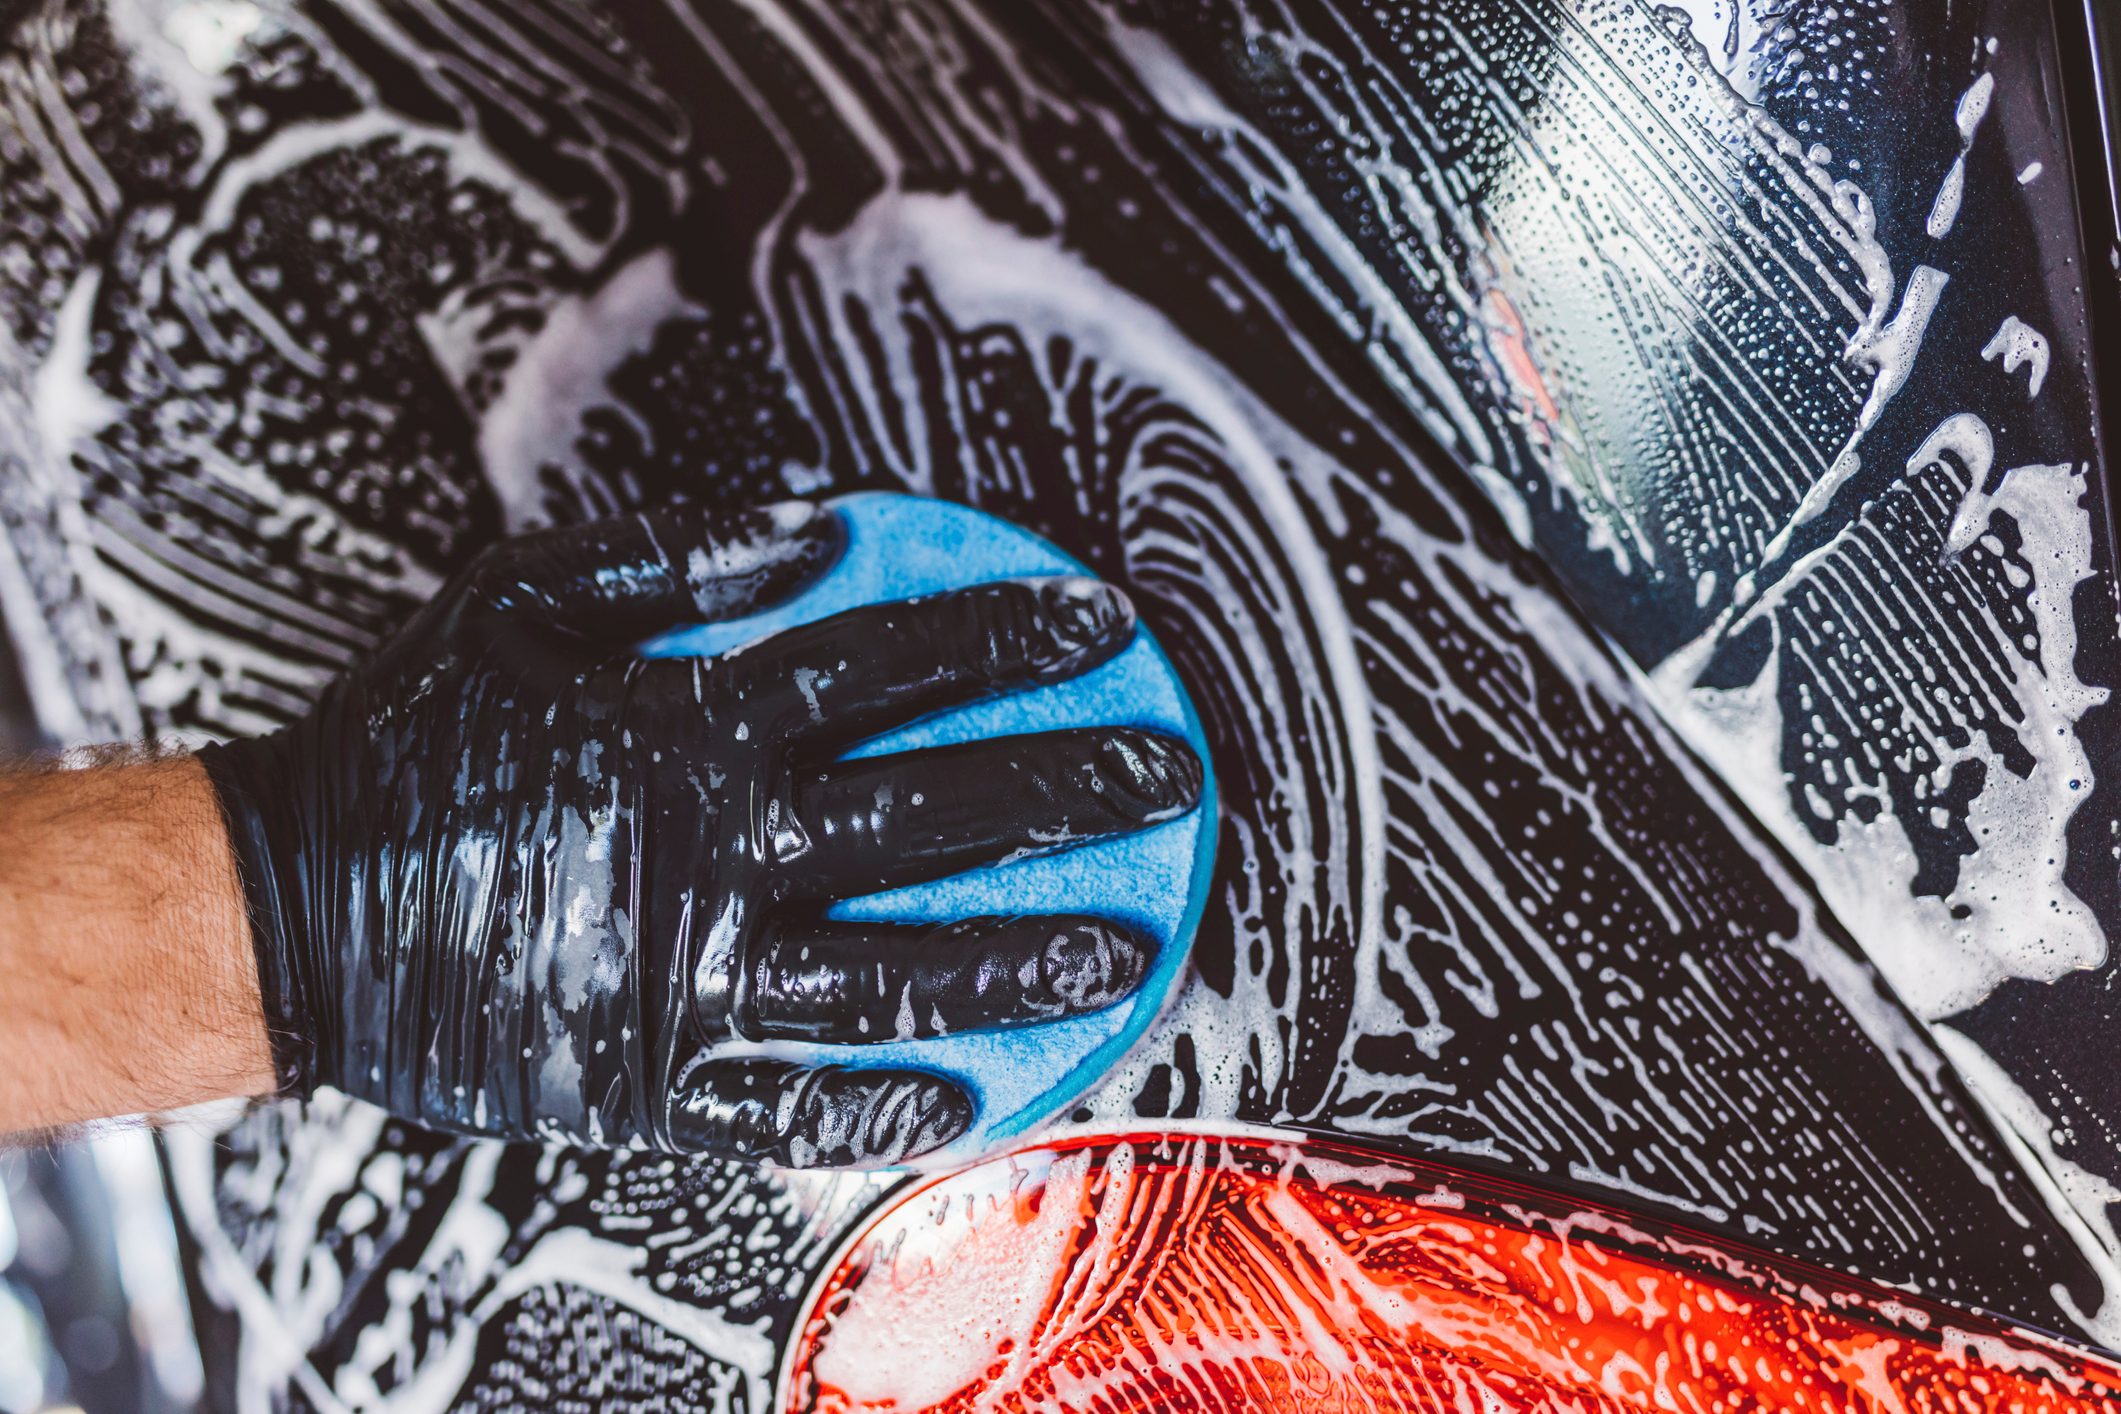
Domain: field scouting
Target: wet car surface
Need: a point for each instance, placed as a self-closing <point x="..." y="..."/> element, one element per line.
<point x="1623" y="486"/>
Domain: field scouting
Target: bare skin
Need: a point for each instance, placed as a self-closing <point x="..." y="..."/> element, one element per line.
<point x="130" y="985"/>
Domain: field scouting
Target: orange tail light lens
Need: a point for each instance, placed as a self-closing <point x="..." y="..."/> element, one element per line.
<point x="1190" y="1274"/>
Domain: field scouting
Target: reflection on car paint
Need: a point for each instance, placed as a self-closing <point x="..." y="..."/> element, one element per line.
<point x="1719" y="308"/>
<point x="1301" y="322"/>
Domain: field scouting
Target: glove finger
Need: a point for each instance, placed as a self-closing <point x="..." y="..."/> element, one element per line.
<point x="615" y="582"/>
<point x="884" y="822"/>
<point x="845" y="981"/>
<point x="873" y="668"/>
<point x="767" y="1111"/>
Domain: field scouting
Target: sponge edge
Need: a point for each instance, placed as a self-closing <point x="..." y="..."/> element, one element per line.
<point x="902" y="546"/>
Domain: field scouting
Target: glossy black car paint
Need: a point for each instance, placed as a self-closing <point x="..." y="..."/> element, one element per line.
<point x="1153" y="280"/>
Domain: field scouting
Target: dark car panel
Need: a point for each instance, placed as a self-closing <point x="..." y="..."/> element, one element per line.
<point x="1642" y="702"/>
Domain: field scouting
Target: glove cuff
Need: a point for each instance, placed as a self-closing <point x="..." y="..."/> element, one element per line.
<point x="254" y="781"/>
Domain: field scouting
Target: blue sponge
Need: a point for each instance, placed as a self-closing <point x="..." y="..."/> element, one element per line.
<point x="901" y="546"/>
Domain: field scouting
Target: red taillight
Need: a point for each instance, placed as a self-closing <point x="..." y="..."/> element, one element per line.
<point x="1188" y="1274"/>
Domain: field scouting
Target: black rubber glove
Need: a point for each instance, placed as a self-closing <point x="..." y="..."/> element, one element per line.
<point x="509" y="878"/>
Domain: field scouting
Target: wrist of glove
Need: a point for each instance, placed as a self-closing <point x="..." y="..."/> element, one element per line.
<point x="509" y="878"/>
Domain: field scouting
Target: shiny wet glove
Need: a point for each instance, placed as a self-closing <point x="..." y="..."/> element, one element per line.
<point x="509" y="878"/>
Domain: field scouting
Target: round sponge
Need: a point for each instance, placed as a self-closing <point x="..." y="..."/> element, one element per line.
<point x="902" y="546"/>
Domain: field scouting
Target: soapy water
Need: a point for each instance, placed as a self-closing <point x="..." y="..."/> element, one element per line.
<point x="1696" y="327"/>
<point x="1278" y="317"/>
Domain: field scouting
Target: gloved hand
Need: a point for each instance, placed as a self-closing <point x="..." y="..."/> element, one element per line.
<point x="509" y="878"/>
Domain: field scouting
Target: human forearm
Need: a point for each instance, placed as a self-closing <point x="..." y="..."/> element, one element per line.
<point x="127" y="979"/>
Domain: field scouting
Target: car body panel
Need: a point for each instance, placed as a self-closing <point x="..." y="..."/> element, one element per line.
<point x="1260" y="311"/>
